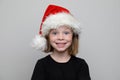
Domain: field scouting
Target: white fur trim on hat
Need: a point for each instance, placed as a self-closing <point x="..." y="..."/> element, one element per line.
<point x="39" y="42"/>
<point x="56" y="20"/>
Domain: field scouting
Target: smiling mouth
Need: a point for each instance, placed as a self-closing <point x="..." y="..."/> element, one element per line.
<point x="60" y="45"/>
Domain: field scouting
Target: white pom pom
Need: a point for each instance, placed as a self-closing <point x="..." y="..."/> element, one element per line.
<point x="39" y="42"/>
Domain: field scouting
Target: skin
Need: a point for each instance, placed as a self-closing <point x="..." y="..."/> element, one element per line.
<point x="60" y="40"/>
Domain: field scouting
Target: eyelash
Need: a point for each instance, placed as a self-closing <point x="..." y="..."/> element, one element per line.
<point x="66" y="32"/>
<point x="54" y="33"/>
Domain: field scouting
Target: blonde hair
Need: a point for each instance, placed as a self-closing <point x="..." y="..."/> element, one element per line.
<point x="72" y="50"/>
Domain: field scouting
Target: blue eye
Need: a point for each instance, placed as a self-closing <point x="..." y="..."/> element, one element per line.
<point x="66" y="33"/>
<point x="54" y="33"/>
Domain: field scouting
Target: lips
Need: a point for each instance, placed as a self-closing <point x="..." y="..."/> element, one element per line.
<point x="60" y="45"/>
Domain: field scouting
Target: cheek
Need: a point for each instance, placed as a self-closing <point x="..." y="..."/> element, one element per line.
<point x="52" y="38"/>
<point x="69" y="38"/>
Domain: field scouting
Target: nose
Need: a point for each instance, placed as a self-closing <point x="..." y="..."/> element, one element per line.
<point x="60" y="36"/>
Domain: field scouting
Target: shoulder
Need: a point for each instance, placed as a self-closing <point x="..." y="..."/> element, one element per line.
<point x="79" y="61"/>
<point x="43" y="59"/>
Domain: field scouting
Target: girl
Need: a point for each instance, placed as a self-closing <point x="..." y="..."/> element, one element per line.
<point x="59" y="34"/>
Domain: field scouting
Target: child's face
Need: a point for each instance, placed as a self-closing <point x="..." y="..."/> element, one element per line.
<point x="61" y="38"/>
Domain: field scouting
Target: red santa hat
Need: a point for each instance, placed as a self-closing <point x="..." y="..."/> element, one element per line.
<point x="54" y="17"/>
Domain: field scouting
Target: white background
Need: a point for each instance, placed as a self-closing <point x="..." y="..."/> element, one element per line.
<point x="99" y="40"/>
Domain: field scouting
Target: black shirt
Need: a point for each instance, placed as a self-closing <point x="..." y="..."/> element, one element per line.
<point x="48" y="69"/>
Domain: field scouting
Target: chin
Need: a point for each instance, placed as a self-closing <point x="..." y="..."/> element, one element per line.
<point x="61" y="50"/>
